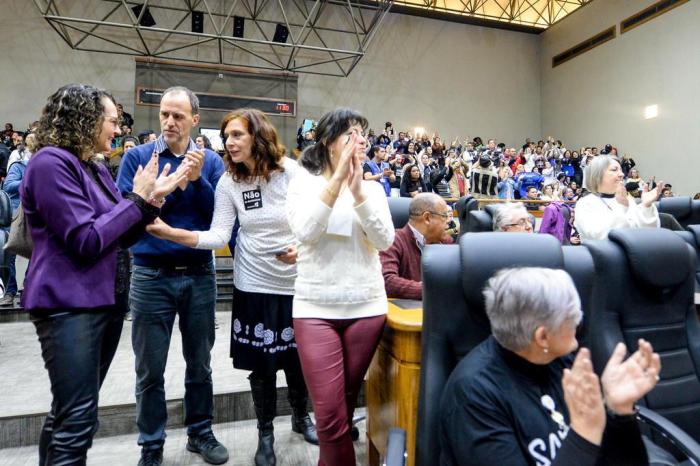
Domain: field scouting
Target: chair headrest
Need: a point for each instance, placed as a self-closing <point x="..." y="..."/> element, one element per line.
<point x="480" y="221"/>
<point x="657" y="257"/>
<point x="399" y="209"/>
<point x="492" y="208"/>
<point x="695" y="230"/>
<point x="669" y="222"/>
<point x="679" y="207"/>
<point x="483" y="254"/>
<point x="461" y="204"/>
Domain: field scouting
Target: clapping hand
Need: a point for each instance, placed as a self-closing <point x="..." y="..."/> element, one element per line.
<point x="625" y="382"/>
<point x="145" y="178"/>
<point x="167" y="182"/>
<point x="355" y="176"/>
<point x="195" y="161"/>
<point x="650" y="196"/>
<point x="621" y="195"/>
<point x="584" y="399"/>
<point x="343" y="166"/>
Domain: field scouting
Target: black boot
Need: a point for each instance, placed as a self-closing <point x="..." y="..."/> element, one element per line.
<point x="298" y="399"/>
<point x="264" y="392"/>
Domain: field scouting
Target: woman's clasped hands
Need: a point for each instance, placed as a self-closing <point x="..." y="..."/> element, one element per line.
<point x="349" y="166"/>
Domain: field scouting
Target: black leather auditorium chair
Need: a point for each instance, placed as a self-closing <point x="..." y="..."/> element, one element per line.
<point x="454" y="318"/>
<point x="463" y="206"/>
<point x="455" y="321"/>
<point x="644" y="288"/>
<point x="399" y="208"/>
<point x="692" y="237"/>
<point x="683" y="208"/>
<point x="482" y="220"/>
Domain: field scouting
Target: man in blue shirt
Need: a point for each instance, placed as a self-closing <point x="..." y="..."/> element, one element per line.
<point x="378" y="170"/>
<point x="169" y="280"/>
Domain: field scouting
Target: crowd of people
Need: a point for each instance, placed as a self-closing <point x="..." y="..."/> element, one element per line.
<point x="407" y="165"/>
<point x="96" y="198"/>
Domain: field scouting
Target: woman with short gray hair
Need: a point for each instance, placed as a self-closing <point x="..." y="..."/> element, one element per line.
<point x="608" y="206"/>
<point x="512" y="217"/>
<point x="521" y="398"/>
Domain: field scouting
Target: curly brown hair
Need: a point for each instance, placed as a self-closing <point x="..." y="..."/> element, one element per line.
<point x="72" y="119"/>
<point x="266" y="149"/>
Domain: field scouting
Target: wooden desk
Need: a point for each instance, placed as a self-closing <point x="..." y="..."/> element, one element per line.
<point x="393" y="380"/>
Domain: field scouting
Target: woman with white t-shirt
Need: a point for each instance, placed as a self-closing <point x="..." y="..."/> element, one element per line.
<point x="341" y="222"/>
<point x="254" y="191"/>
<point x="608" y="206"/>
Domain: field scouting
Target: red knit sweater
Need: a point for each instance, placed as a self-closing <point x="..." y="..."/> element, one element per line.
<point x="401" y="267"/>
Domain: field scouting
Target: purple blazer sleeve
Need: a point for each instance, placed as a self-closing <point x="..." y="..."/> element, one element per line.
<point x="58" y="192"/>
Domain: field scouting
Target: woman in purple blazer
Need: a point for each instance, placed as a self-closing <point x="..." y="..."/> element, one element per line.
<point x="77" y="217"/>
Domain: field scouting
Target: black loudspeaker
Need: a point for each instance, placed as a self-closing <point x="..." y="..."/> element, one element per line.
<point x="281" y="33"/>
<point x="198" y="21"/>
<point x="238" y="26"/>
<point x="146" y="20"/>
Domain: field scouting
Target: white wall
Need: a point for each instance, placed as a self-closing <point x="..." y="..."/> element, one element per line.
<point x="36" y="62"/>
<point x="455" y="78"/>
<point x="600" y="96"/>
<point x="458" y="79"/>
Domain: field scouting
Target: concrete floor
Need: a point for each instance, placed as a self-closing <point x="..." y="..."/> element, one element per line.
<point x="239" y="437"/>
<point x="24" y="385"/>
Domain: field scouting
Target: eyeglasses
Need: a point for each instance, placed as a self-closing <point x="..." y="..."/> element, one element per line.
<point x="522" y="223"/>
<point x="445" y="215"/>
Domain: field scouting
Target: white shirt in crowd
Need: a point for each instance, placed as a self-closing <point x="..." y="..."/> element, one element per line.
<point x="260" y="208"/>
<point x="595" y="216"/>
<point x="18" y="155"/>
<point x="339" y="273"/>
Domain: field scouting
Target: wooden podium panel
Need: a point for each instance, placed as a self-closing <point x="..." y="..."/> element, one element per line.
<point x="393" y="380"/>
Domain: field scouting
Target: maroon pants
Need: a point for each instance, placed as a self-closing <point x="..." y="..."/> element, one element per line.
<point x="335" y="355"/>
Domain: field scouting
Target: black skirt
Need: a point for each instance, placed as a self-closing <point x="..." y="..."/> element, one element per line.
<point x="262" y="335"/>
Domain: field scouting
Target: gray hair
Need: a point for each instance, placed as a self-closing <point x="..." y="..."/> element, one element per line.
<point x="519" y="300"/>
<point x="194" y="100"/>
<point x="424" y="202"/>
<point x="596" y="169"/>
<point x="505" y="213"/>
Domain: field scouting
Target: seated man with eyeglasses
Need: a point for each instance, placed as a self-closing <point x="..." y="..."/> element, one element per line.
<point x="513" y="218"/>
<point x="401" y="263"/>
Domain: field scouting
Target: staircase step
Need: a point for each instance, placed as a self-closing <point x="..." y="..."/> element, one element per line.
<point x="24" y="430"/>
<point x="224" y="298"/>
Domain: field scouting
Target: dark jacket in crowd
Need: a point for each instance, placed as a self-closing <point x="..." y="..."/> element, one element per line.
<point x="408" y="186"/>
<point x="498" y="408"/>
<point x="627" y="165"/>
<point x="4" y="157"/>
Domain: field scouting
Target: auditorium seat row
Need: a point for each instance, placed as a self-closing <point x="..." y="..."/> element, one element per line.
<point x="637" y="284"/>
<point x="684" y="209"/>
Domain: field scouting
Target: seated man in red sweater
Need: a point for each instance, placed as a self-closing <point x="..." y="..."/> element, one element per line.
<point x="429" y="215"/>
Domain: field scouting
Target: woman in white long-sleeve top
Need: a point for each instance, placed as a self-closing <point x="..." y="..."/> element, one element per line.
<point x="340" y="222"/>
<point x="608" y="206"/>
